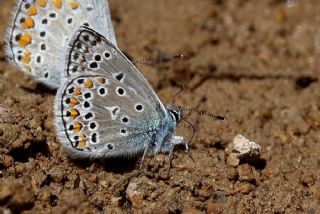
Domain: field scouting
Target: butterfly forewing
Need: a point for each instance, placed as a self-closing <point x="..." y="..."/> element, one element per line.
<point x="100" y="116"/>
<point x="91" y="52"/>
<point x="38" y="37"/>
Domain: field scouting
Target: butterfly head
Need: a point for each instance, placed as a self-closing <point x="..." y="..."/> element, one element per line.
<point x="175" y="113"/>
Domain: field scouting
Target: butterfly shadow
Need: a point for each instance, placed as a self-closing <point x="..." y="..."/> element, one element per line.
<point x="39" y="88"/>
<point x="118" y="165"/>
<point x="121" y="164"/>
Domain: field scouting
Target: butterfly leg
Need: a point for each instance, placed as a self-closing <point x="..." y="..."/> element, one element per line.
<point x="146" y="150"/>
<point x="170" y="143"/>
<point x="168" y="148"/>
<point x="144" y="155"/>
<point x="175" y="140"/>
<point x="179" y="140"/>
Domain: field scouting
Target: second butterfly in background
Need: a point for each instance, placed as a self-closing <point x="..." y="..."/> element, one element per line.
<point x="37" y="40"/>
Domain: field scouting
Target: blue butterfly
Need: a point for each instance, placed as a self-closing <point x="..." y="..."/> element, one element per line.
<point x="107" y="108"/>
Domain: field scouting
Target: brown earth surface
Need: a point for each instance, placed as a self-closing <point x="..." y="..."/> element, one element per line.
<point x="254" y="61"/>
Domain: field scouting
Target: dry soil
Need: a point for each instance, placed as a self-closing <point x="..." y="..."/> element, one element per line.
<point x="256" y="62"/>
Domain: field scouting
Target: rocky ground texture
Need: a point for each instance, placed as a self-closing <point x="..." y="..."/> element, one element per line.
<point x="256" y="62"/>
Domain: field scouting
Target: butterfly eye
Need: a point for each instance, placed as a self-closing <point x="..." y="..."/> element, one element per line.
<point x="176" y="115"/>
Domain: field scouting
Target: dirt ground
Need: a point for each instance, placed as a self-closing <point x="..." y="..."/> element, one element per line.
<point x="257" y="62"/>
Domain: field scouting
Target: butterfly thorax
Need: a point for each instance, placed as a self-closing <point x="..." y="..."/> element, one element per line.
<point x="164" y="138"/>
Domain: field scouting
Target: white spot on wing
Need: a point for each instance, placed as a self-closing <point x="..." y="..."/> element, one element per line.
<point x="132" y="89"/>
<point x="114" y="111"/>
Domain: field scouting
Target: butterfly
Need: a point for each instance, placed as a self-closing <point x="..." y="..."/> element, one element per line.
<point x="107" y="108"/>
<point x="37" y="40"/>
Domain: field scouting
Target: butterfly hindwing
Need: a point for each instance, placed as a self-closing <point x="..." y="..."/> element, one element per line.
<point x="97" y="115"/>
<point x="37" y="39"/>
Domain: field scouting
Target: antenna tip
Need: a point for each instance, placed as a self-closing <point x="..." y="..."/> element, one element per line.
<point x="221" y="118"/>
<point x="179" y="56"/>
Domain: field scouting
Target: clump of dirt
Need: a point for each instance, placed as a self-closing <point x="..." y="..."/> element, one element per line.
<point x="254" y="61"/>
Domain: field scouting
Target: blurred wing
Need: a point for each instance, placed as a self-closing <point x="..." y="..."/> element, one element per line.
<point x="37" y="39"/>
<point x="92" y="52"/>
<point x="98" y="116"/>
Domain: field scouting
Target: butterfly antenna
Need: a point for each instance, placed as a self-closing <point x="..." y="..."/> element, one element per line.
<point x="216" y="117"/>
<point x="160" y="59"/>
<point x="177" y="93"/>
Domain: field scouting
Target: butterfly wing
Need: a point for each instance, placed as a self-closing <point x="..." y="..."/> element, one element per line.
<point x="36" y="40"/>
<point x="99" y="116"/>
<point x="92" y="52"/>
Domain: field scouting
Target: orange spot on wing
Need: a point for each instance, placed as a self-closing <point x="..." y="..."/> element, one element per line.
<point x="28" y="23"/>
<point x="77" y="127"/>
<point x="73" y="5"/>
<point x="57" y="3"/>
<point x="76" y="91"/>
<point x="32" y="10"/>
<point x="41" y="3"/>
<point x="82" y="142"/>
<point x="101" y="80"/>
<point x="26" y="57"/>
<point x="88" y="84"/>
<point x="24" y="40"/>
<point x="73" y="102"/>
<point x="74" y="113"/>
